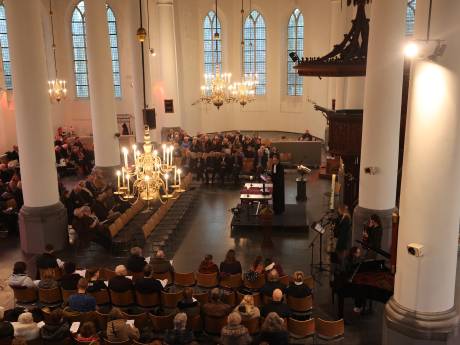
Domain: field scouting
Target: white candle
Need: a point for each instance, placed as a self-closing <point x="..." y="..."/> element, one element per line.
<point x="175" y="175"/>
<point x="179" y="172"/>
<point x="164" y="152"/>
<point x="166" y="181"/>
<point x="171" y="148"/>
<point x="127" y="180"/>
<point x="125" y="156"/>
<point x="331" y="204"/>
<point x="134" y="153"/>
<point x="118" y="179"/>
<point x="123" y="175"/>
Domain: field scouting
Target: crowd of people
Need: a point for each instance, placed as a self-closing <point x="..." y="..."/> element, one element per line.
<point x="138" y="275"/>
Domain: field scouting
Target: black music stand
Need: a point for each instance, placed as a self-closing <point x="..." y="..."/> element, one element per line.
<point x="319" y="267"/>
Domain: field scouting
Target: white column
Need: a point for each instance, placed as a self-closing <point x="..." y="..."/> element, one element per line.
<point x="168" y="61"/>
<point x="102" y="99"/>
<point x="31" y="102"/>
<point x="355" y="93"/>
<point x="43" y="218"/>
<point x="382" y="105"/>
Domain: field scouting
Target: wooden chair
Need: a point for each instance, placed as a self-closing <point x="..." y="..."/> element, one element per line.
<point x="67" y="293"/>
<point x="202" y="297"/>
<point x="301" y="329"/>
<point x="233" y="281"/>
<point x="310" y="282"/>
<point x="195" y="323"/>
<point x="229" y="298"/>
<point x="136" y="275"/>
<point x="147" y="300"/>
<point x="255" y="285"/>
<point x="50" y="297"/>
<point x="25" y="296"/>
<point x="213" y="325"/>
<point x="266" y="299"/>
<point x="206" y="280"/>
<point x="106" y="274"/>
<point x="170" y="299"/>
<point x="101" y="320"/>
<point x="57" y="273"/>
<point x="301" y="305"/>
<point x="162" y="323"/>
<point x="253" y="325"/>
<point x="284" y="280"/>
<point x="102" y="296"/>
<point x="140" y="320"/>
<point x="121" y="299"/>
<point x="161" y="276"/>
<point x="255" y="296"/>
<point x="80" y="317"/>
<point x="184" y="279"/>
<point x="108" y="342"/>
<point x="329" y="331"/>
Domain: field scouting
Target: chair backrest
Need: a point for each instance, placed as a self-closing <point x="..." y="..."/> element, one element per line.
<point x="25" y="295"/>
<point x="284" y="280"/>
<point x="162" y="323"/>
<point x="102" y="320"/>
<point x="257" y="284"/>
<point x="81" y="317"/>
<point x="136" y="275"/>
<point x="214" y="325"/>
<point x="57" y="272"/>
<point x="206" y="280"/>
<point x="147" y="300"/>
<point x="233" y="281"/>
<point x="127" y="342"/>
<point x="253" y="325"/>
<point x="67" y="293"/>
<point x="50" y="296"/>
<point x="310" y="282"/>
<point x="170" y="299"/>
<point x="301" y="329"/>
<point x="195" y="323"/>
<point x="122" y="299"/>
<point x="140" y="320"/>
<point x="161" y="276"/>
<point x="102" y="296"/>
<point x="229" y="298"/>
<point x="329" y="329"/>
<point x="184" y="279"/>
<point x="106" y="274"/>
<point x="202" y="297"/>
<point x="300" y="304"/>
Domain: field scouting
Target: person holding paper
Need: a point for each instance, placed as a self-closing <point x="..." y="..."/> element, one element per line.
<point x="88" y="333"/>
<point x="47" y="259"/>
<point x="94" y="283"/>
<point x="70" y="278"/>
<point x="148" y="284"/>
<point x="81" y="301"/>
<point x="120" y="283"/>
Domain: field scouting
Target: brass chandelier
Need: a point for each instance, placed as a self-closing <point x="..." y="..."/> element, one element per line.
<point x="150" y="177"/>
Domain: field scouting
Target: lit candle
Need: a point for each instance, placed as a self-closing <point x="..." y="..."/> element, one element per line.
<point x="175" y="175"/>
<point x="123" y="175"/>
<point x="167" y="156"/>
<point x="179" y="172"/>
<point x="171" y="149"/>
<point x="125" y="156"/>
<point x="134" y="153"/>
<point x="118" y="179"/>
<point x="331" y="204"/>
<point x="164" y="152"/>
<point x="127" y="181"/>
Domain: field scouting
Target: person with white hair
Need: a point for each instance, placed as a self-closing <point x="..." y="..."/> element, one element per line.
<point x="234" y="333"/>
<point x="160" y="264"/>
<point x="120" y="283"/>
<point x="180" y="334"/>
<point x="25" y="327"/>
<point x="277" y="306"/>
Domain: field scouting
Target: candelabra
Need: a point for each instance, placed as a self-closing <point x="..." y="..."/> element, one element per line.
<point x="215" y="88"/>
<point x="244" y="92"/>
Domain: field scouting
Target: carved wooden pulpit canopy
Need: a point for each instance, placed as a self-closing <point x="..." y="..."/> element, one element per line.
<point x="347" y="59"/>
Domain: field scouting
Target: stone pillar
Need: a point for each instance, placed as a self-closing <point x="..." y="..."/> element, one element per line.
<point x="355" y="93"/>
<point x="422" y="309"/>
<point x="381" y="119"/>
<point x="136" y="56"/>
<point x="43" y="218"/>
<point x="168" y="61"/>
<point x="102" y="100"/>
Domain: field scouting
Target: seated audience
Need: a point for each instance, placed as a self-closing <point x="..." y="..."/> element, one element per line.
<point x="207" y="266"/>
<point x="148" y="284"/>
<point x="47" y="281"/>
<point x="215" y="307"/>
<point x="26" y="328"/>
<point x="6" y="332"/>
<point x="136" y="261"/>
<point x="120" y="283"/>
<point x="273" y="282"/>
<point x="234" y="332"/>
<point x="277" y="306"/>
<point x="81" y="301"/>
<point x="19" y="277"/>
<point x="117" y="329"/>
<point x="271" y="265"/>
<point x="160" y="264"/>
<point x="94" y="283"/>
<point x="188" y="304"/>
<point x="47" y="259"/>
<point x="70" y="279"/>
<point x="247" y="309"/>
<point x="256" y="270"/>
<point x="230" y="265"/>
<point x="89" y="228"/>
<point x="273" y="330"/>
<point x="56" y="329"/>
<point x="179" y="335"/>
<point x="87" y="333"/>
<point x="297" y="288"/>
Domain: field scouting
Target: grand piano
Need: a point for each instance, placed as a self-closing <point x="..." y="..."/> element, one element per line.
<point x="371" y="281"/>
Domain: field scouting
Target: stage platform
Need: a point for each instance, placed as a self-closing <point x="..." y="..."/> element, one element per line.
<point x="293" y="219"/>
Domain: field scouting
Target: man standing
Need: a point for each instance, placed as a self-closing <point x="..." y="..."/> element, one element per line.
<point x="277" y="175"/>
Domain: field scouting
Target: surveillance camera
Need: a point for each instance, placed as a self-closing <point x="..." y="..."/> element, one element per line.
<point x="415" y="249"/>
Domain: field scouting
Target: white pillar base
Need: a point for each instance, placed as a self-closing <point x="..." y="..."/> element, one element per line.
<point x="39" y="226"/>
<point x="404" y="326"/>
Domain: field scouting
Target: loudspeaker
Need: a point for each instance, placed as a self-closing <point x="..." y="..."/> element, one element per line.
<point x="150" y="118"/>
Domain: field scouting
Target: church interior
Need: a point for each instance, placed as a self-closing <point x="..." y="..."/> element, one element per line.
<point x="229" y="172"/>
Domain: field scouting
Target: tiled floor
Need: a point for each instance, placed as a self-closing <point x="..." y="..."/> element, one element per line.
<point x="207" y="230"/>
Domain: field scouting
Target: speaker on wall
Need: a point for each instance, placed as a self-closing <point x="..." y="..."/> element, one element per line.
<point x="150" y="118"/>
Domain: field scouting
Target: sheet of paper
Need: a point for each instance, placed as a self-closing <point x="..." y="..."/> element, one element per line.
<point x="129" y="277"/>
<point x="130" y="322"/>
<point x="74" y="327"/>
<point x="60" y="263"/>
<point x="81" y="272"/>
<point x="147" y="259"/>
<point x="106" y="282"/>
<point x="40" y="324"/>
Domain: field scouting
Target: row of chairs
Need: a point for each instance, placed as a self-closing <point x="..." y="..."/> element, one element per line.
<point x="125" y="217"/>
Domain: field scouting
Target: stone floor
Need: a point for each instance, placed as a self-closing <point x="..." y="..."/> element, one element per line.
<point x="207" y="230"/>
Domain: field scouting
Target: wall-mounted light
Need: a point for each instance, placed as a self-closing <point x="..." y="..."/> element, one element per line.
<point x="425" y="49"/>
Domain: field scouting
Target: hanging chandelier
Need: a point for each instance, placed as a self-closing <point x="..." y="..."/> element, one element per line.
<point x="57" y="90"/>
<point x="150" y="177"/>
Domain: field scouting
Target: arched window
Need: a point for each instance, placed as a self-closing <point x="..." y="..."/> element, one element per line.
<point x="113" y="38"/>
<point x="5" y="49"/>
<point x="212" y="57"/>
<point x="410" y="17"/>
<point x="254" y="59"/>
<point x="79" y="51"/>
<point x="295" y="45"/>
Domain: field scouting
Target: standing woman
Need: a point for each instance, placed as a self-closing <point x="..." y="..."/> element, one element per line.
<point x="342" y="229"/>
<point x="373" y="234"/>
